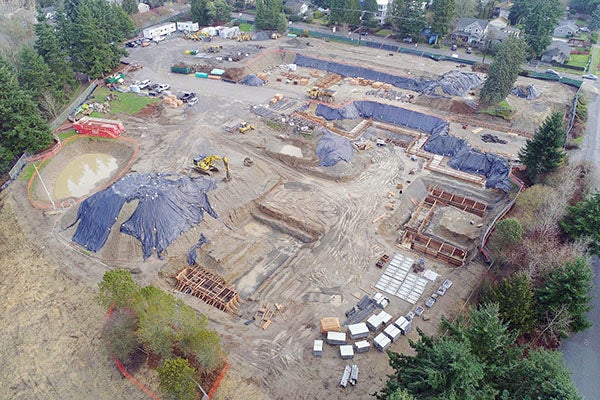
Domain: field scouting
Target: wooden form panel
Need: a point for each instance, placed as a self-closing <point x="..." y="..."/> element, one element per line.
<point x="208" y="287"/>
<point x="457" y="201"/>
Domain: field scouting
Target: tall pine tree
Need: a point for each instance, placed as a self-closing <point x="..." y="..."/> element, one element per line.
<point x="544" y="152"/>
<point x="443" y="15"/>
<point x="407" y="18"/>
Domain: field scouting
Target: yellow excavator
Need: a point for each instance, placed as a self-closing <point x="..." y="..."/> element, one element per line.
<point x="245" y="127"/>
<point x="317" y="93"/>
<point x="206" y="164"/>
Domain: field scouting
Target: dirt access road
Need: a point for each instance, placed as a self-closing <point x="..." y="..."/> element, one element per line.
<point x="259" y="242"/>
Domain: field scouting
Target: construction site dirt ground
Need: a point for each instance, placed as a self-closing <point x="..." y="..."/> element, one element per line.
<point x="288" y="232"/>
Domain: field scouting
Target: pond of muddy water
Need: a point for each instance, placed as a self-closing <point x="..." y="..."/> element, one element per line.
<point x="81" y="175"/>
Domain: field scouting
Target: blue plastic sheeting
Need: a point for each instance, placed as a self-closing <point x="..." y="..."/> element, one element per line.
<point x="168" y="206"/>
<point x="192" y="253"/>
<point x="462" y="156"/>
<point x="252" y="80"/>
<point x="333" y="148"/>
<point x="454" y="83"/>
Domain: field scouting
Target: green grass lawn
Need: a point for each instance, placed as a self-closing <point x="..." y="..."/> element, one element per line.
<point x="579" y="60"/>
<point x="67" y="134"/>
<point x="129" y="103"/>
<point x="244" y="27"/>
<point x="595" y="61"/>
<point x="383" y="32"/>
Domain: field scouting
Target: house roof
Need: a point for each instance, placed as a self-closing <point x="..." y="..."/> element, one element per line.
<point x="499" y="22"/>
<point x="464" y="22"/>
<point x="558" y="46"/>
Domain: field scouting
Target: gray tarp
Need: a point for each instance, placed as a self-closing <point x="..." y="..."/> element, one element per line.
<point x="528" y="92"/>
<point x="333" y="148"/>
<point x="251" y="80"/>
<point x="462" y="156"/>
<point x="168" y="206"/>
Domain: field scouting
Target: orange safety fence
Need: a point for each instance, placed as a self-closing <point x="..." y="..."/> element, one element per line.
<point x="46" y="206"/>
<point x="219" y="379"/>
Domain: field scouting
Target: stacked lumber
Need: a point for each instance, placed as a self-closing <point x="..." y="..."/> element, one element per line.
<point x="330" y="324"/>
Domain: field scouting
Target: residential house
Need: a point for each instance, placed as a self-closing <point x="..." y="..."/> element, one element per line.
<point x="469" y="30"/>
<point x="565" y="28"/>
<point x="296" y="7"/>
<point x="382" y="10"/>
<point x="502" y="10"/>
<point x="495" y="35"/>
<point x="498" y="23"/>
<point x="557" y="52"/>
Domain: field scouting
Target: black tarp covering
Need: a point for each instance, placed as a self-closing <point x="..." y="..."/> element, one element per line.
<point x="454" y="83"/>
<point x="528" y="92"/>
<point x="192" y="253"/>
<point x="333" y="148"/>
<point x="168" y="206"/>
<point x="462" y="156"/>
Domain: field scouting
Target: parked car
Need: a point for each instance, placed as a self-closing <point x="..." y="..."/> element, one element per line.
<point x="187" y="96"/>
<point x="590" y="76"/>
<point x="454" y="47"/>
<point x="152" y="93"/>
<point x="192" y="101"/>
<point x="131" y="44"/>
<point x="162" y="87"/>
<point x="469" y="50"/>
<point x="552" y="72"/>
<point x="142" y="84"/>
<point x="407" y="40"/>
<point x="153" y="87"/>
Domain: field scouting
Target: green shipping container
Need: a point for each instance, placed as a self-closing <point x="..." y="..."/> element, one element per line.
<point x="181" y="70"/>
<point x="201" y="75"/>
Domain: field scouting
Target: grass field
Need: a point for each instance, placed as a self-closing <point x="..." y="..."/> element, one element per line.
<point x="244" y="27"/>
<point x="579" y="60"/>
<point x="128" y="103"/>
<point x="384" y="32"/>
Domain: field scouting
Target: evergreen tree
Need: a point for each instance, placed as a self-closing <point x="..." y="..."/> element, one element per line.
<point x="130" y="6"/>
<point x="176" y="379"/>
<point x="594" y="24"/>
<point x="443" y="15"/>
<point x="514" y="297"/>
<point x="538" y="19"/>
<point x="199" y="11"/>
<point x="407" y="18"/>
<point x="503" y="72"/>
<point x="544" y="152"/>
<point x="582" y="222"/>
<point x="47" y="45"/>
<point x="337" y="11"/>
<point x="352" y="13"/>
<point x="270" y="15"/>
<point x="22" y="128"/>
<point x="568" y="287"/>
<point x="33" y="73"/>
<point x="218" y="11"/>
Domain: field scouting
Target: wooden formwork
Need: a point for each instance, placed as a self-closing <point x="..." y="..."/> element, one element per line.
<point x="462" y="203"/>
<point x="328" y="80"/>
<point x="208" y="287"/>
<point x="437" y="248"/>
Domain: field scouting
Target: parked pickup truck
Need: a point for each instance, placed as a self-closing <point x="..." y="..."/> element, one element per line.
<point x="382" y="261"/>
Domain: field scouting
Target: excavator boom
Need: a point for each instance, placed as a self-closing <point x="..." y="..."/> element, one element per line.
<point x="206" y="165"/>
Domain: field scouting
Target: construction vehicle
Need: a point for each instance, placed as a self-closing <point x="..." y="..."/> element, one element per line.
<point x="245" y="127"/>
<point x="212" y="49"/>
<point x="317" y="93"/>
<point x="275" y="35"/>
<point x="206" y="164"/>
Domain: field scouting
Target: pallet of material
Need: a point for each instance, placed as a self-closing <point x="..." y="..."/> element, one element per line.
<point x="354" y="375"/>
<point x="403" y="324"/>
<point x="330" y="324"/>
<point x="347" y="352"/>
<point x="362" y="347"/>
<point x="378" y="320"/>
<point x="382" y="342"/>
<point x="392" y="332"/>
<point x="318" y="348"/>
<point x="336" y="338"/>
<point x="358" y="331"/>
<point x="346" y="376"/>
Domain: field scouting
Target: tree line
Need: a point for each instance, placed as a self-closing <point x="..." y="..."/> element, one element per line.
<point x="172" y="334"/>
<point x="87" y="39"/>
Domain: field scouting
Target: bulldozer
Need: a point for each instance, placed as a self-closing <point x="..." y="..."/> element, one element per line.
<point x="212" y="49"/>
<point x="245" y="127"/>
<point x="317" y="93"/>
<point x="206" y="164"/>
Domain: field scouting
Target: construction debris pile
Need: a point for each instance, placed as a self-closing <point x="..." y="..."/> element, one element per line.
<point x="528" y="92"/>
<point x="462" y="156"/>
<point x="169" y="205"/>
<point x="251" y="80"/>
<point x="454" y="83"/>
<point x="333" y="148"/>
